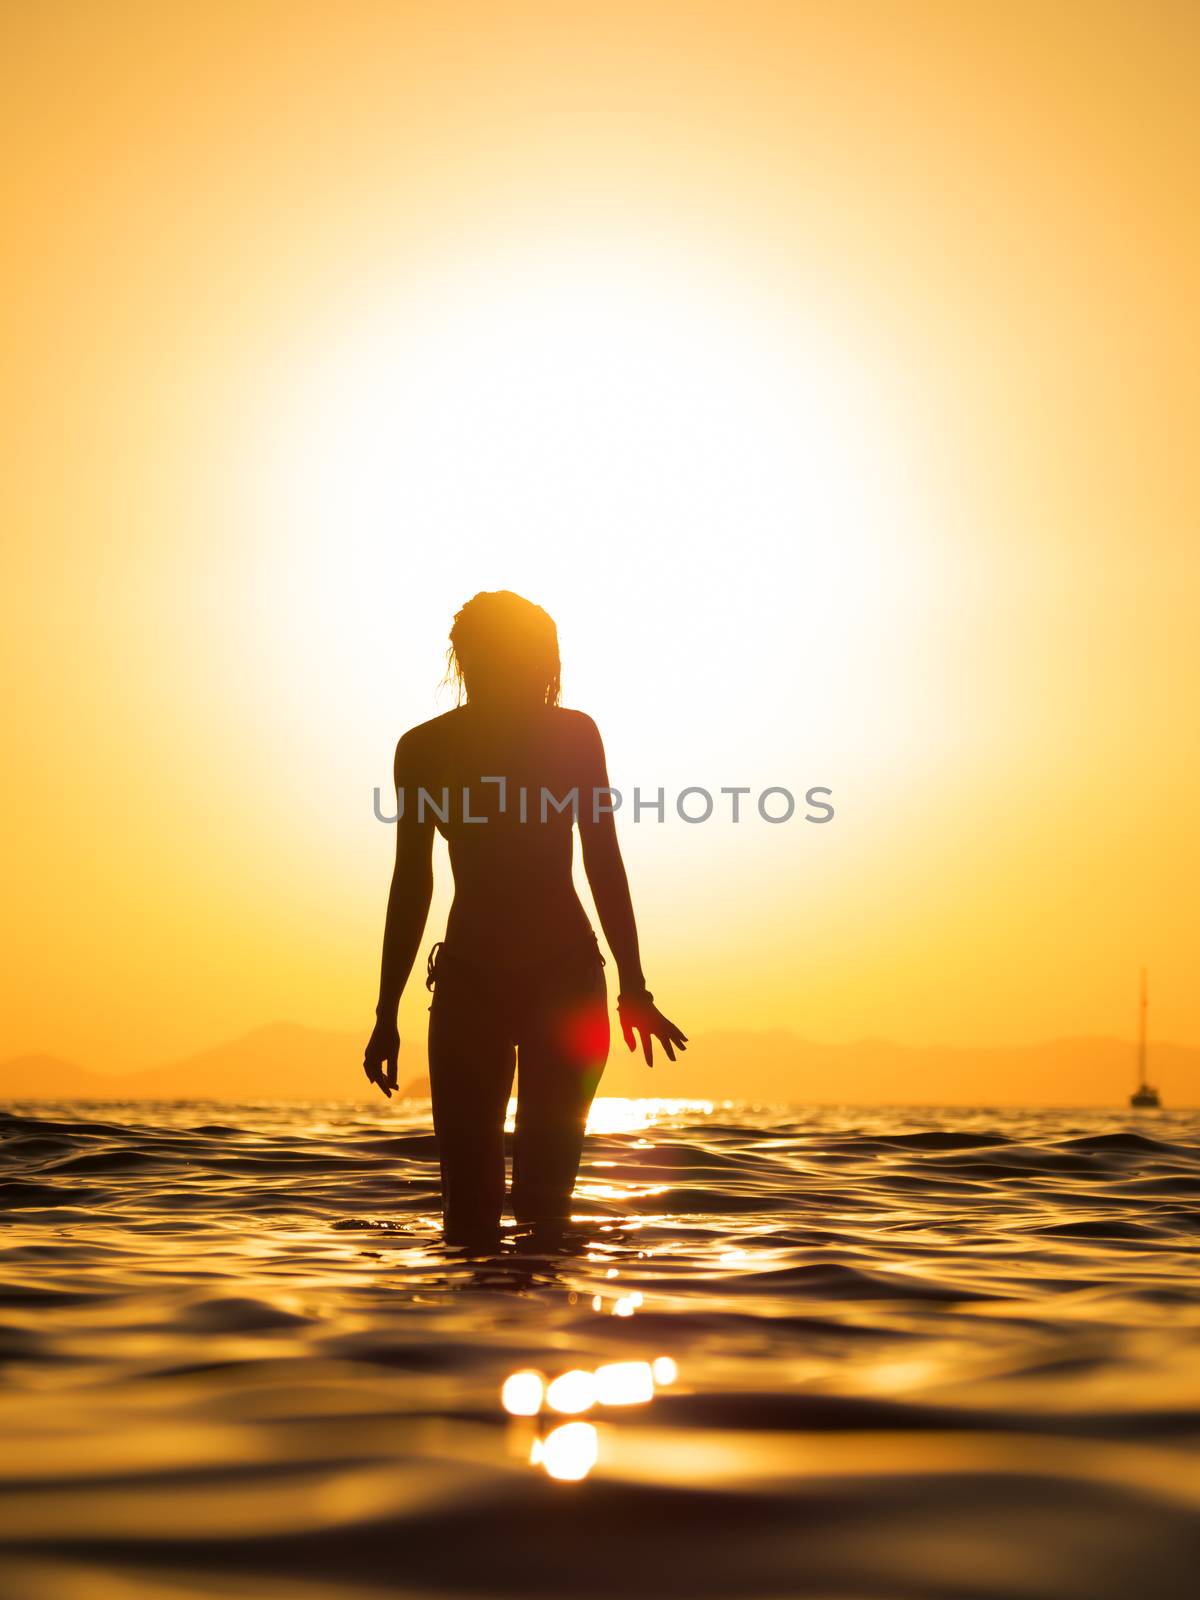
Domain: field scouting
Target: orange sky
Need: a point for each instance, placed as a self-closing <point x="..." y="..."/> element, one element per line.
<point x="828" y="371"/>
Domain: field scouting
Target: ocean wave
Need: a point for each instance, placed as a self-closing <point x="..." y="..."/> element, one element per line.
<point x="874" y="1353"/>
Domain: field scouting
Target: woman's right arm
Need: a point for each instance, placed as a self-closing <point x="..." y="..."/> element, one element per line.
<point x="407" y="911"/>
<point x="636" y="1011"/>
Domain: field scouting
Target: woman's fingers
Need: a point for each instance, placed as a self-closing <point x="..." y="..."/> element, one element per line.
<point x="374" y="1072"/>
<point x="383" y="1071"/>
<point x="674" y="1033"/>
<point x="381" y="1059"/>
<point x="672" y="1037"/>
<point x="656" y="1026"/>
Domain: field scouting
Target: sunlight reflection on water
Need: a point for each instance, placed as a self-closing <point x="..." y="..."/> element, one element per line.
<point x="615" y="1114"/>
<point x="570" y="1451"/>
<point x="928" y="1352"/>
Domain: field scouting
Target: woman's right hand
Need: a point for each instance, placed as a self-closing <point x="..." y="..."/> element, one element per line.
<point x="638" y="1014"/>
<point x="380" y="1058"/>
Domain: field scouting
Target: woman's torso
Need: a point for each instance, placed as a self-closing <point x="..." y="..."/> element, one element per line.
<point x="505" y="783"/>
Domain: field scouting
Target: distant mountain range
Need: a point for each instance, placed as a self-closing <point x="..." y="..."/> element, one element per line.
<point x="291" y="1062"/>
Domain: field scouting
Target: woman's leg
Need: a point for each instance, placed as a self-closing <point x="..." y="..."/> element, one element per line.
<point x="471" y="1060"/>
<point x="563" y="1045"/>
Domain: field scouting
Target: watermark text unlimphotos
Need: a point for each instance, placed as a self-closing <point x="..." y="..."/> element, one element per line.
<point x="694" y="804"/>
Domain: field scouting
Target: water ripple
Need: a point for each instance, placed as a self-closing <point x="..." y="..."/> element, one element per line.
<point x="864" y="1353"/>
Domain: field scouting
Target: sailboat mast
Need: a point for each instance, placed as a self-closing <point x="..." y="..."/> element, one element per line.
<point x="1141" y="1055"/>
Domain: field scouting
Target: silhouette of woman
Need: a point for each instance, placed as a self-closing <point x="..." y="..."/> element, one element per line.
<point x="519" y="976"/>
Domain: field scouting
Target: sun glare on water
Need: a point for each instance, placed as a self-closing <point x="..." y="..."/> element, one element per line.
<point x="621" y="1114"/>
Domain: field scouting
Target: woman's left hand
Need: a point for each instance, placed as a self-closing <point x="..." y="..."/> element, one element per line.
<point x="380" y="1061"/>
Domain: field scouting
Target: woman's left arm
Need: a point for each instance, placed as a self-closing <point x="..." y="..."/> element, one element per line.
<point x="407" y="912"/>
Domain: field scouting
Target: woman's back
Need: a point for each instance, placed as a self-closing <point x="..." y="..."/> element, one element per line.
<point x="503" y="784"/>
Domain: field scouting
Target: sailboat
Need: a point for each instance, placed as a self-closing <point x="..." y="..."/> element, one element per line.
<point x="1145" y="1096"/>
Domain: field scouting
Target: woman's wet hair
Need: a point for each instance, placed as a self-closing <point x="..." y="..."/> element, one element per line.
<point x="503" y="642"/>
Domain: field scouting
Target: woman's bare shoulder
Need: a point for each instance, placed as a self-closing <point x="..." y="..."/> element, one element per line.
<point x="579" y="737"/>
<point x="429" y="738"/>
<point x="576" y="723"/>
